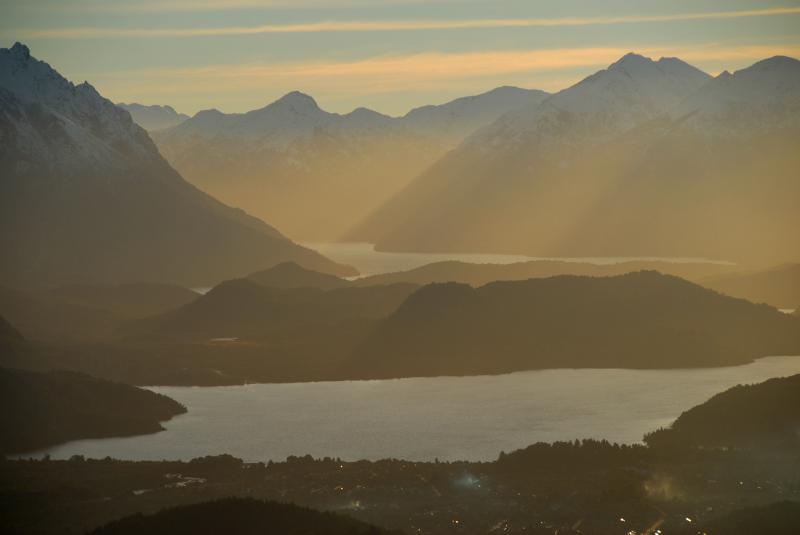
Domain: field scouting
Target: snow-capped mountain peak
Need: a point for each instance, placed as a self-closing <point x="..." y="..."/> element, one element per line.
<point x="297" y="101"/>
<point x="634" y="85"/>
<point x="95" y="201"/>
<point x="765" y="94"/>
<point x="18" y="49"/>
<point x="364" y="118"/>
<point x="111" y="138"/>
<point x="154" y="117"/>
<point x="630" y="91"/>
<point x="631" y="61"/>
<point x="275" y="126"/>
<point x="775" y="63"/>
<point x="31" y="79"/>
<point x="456" y="119"/>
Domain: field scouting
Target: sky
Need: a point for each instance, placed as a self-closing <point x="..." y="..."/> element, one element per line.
<point x="388" y="55"/>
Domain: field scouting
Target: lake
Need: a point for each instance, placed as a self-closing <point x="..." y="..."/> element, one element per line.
<point x="449" y="418"/>
<point x="368" y="261"/>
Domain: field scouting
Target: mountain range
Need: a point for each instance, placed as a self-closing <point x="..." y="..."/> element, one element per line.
<point x="777" y="286"/>
<point x="87" y="198"/>
<point x="644" y="158"/>
<point x="484" y="273"/>
<point x="153" y="117"/>
<point x="242" y="331"/>
<point x="315" y="173"/>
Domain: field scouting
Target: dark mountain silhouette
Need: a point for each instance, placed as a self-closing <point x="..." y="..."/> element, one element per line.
<point x="764" y="414"/>
<point x="242" y="331"/>
<point x="127" y="300"/>
<point x="244" y="308"/>
<point x="292" y="275"/>
<point x="239" y="331"/>
<point x="778" y="286"/>
<point x="232" y="308"/>
<point x="480" y="274"/>
<point x="44" y="409"/>
<point x="86" y="198"/>
<point x="638" y="320"/>
<point x="240" y="516"/>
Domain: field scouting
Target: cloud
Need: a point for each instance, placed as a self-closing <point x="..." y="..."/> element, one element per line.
<point x="467" y="64"/>
<point x="392" y="25"/>
<point x="164" y="6"/>
<point x="347" y="81"/>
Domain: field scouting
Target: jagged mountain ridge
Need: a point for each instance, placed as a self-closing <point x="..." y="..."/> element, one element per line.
<point x="760" y="97"/>
<point x="154" y="117"/>
<point x="87" y="198"/>
<point x="292" y="153"/>
<point x="629" y="92"/>
<point x="456" y="119"/>
<point x="296" y="115"/>
<point x="628" y="162"/>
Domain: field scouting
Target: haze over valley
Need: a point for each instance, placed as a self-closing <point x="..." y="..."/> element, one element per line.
<point x="587" y="171"/>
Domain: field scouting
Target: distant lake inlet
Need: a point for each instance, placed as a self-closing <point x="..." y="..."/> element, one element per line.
<point x="368" y="261"/>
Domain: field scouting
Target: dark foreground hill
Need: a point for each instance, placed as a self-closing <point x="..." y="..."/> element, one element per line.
<point x="240" y="516"/>
<point x="44" y="409"/>
<point x="764" y="414"/>
<point x="638" y="320"/>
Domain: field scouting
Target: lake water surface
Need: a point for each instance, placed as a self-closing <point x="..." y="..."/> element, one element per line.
<point x="368" y="261"/>
<point x="469" y="418"/>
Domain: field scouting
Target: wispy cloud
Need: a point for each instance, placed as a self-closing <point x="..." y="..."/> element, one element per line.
<point x="166" y="6"/>
<point x="393" y="25"/>
<point x="468" y="64"/>
<point x="551" y="69"/>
